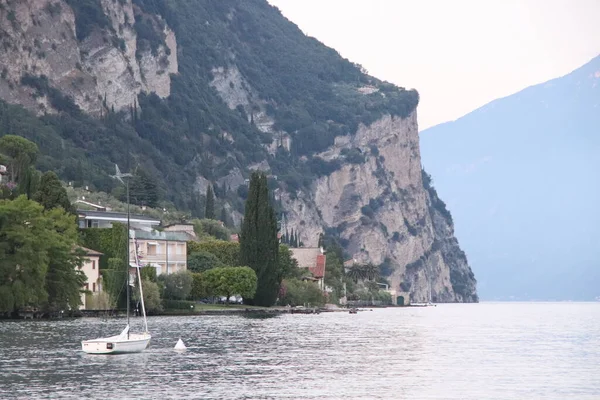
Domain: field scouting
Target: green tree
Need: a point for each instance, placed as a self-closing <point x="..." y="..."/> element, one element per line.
<point x="24" y="239"/>
<point x="176" y="286"/>
<point x="259" y="246"/>
<point x="21" y="154"/>
<point x="356" y="273"/>
<point x="210" y="227"/>
<point x="51" y="193"/>
<point x="201" y="261"/>
<point x="29" y="182"/>
<point x="38" y="264"/>
<point x="288" y="266"/>
<point x="64" y="278"/>
<point x="227" y="252"/>
<point x="371" y="271"/>
<point x="143" y="190"/>
<point x="209" y="212"/>
<point x="229" y="281"/>
<point x="296" y="292"/>
<point x="199" y="290"/>
<point x="334" y="273"/>
<point x="148" y="273"/>
<point x="152" y="300"/>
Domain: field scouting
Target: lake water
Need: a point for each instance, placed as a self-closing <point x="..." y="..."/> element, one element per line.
<point x="455" y="351"/>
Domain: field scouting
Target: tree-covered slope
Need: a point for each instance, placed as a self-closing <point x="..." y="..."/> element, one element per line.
<point x="521" y="178"/>
<point x="305" y="88"/>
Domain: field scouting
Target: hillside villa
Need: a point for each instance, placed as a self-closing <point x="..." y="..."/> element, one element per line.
<point x="164" y="250"/>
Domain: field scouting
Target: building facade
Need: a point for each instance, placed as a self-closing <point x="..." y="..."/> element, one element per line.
<point x="165" y="251"/>
<point x="91" y="269"/>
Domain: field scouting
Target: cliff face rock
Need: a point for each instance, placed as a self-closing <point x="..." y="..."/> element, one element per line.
<point x="379" y="205"/>
<point x="104" y="70"/>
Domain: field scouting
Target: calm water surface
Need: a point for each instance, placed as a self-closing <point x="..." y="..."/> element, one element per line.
<point x="475" y="351"/>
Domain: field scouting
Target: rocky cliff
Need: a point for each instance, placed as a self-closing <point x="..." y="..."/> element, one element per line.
<point x="379" y="206"/>
<point x="226" y="87"/>
<point x="101" y="68"/>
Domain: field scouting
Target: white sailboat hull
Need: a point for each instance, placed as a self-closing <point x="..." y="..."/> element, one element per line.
<point x="119" y="344"/>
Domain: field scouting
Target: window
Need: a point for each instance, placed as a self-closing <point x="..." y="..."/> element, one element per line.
<point x="87" y="286"/>
<point x="152" y="248"/>
<point x="94" y="287"/>
<point x="93" y="264"/>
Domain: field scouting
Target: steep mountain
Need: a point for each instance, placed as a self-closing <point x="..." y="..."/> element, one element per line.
<point x="521" y="177"/>
<point x="203" y="92"/>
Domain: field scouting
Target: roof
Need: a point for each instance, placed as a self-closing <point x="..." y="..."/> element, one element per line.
<point x="87" y="203"/>
<point x="90" y="252"/>
<point x="179" y="224"/>
<point x="306" y="256"/>
<point x="165" y="235"/>
<point x="318" y="270"/>
<point x="115" y="216"/>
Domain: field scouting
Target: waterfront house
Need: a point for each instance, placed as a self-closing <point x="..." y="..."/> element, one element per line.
<point x="164" y="250"/>
<point x="91" y="269"/>
<point x="314" y="259"/>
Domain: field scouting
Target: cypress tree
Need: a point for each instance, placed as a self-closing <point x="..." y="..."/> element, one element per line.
<point x="291" y="238"/>
<point x="259" y="247"/>
<point x="209" y="211"/>
<point x="224" y="216"/>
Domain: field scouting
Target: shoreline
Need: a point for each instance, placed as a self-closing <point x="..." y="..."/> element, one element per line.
<point x="204" y="310"/>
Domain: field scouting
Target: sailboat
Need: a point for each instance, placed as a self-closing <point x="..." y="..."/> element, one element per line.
<point x="125" y="342"/>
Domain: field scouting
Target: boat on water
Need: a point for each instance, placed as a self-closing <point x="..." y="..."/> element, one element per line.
<point x="125" y="342"/>
<point x="353" y="311"/>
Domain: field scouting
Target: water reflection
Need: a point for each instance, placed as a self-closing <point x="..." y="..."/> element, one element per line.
<point x="451" y="351"/>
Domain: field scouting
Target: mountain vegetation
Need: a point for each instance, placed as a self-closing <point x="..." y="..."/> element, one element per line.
<point x="306" y="88"/>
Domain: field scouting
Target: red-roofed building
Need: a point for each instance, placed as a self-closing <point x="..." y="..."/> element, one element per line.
<point x="314" y="259"/>
<point x="234" y="238"/>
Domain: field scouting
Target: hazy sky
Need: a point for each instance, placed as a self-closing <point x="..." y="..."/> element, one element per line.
<point x="458" y="54"/>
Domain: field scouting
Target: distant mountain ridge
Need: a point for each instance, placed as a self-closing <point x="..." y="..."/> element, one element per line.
<point x="520" y="175"/>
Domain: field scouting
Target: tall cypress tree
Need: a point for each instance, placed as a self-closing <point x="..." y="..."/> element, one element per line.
<point x="209" y="211"/>
<point x="259" y="247"/>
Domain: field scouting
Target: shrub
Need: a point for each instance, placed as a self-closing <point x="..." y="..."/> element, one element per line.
<point x="176" y="286"/>
<point x="296" y="293"/>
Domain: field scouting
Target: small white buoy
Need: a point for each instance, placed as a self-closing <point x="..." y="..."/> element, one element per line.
<point x="180" y="345"/>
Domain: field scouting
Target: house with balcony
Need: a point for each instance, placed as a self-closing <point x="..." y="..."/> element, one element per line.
<point x="165" y="251"/>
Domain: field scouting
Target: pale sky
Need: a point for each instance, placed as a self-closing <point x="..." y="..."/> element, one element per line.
<point x="458" y="54"/>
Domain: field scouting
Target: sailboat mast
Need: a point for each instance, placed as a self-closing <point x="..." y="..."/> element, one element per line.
<point x="137" y="264"/>
<point x="127" y="269"/>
